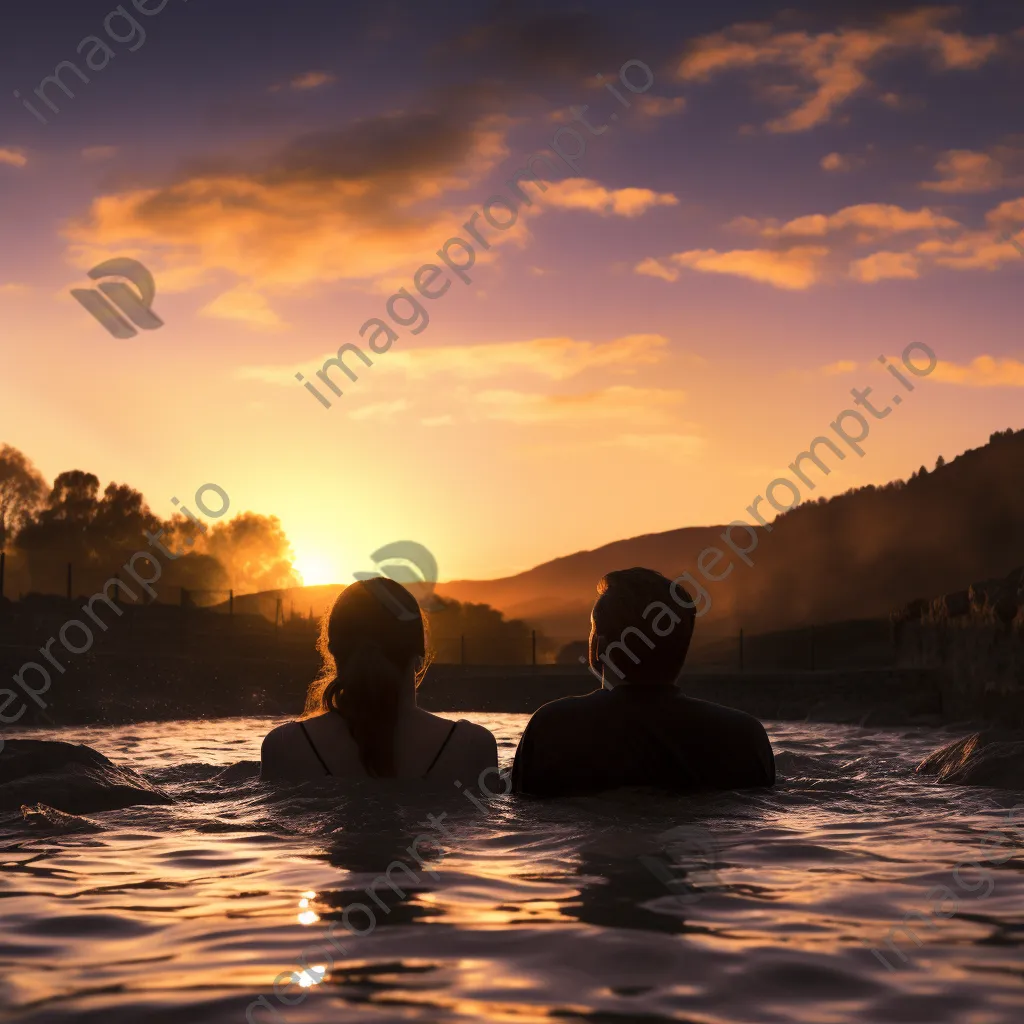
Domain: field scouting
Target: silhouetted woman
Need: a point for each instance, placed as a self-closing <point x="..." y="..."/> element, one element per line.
<point x="361" y="717"/>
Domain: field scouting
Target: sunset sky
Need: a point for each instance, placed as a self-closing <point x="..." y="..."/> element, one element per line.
<point x="654" y="339"/>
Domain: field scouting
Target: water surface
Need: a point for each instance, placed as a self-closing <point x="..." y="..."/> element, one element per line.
<point x="629" y="907"/>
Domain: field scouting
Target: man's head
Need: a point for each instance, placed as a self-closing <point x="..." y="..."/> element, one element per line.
<point x="639" y="632"/>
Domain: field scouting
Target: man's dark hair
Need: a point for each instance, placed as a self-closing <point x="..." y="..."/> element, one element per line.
<point x="625" y="643"/>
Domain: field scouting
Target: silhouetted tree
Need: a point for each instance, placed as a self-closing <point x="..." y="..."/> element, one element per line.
<point x="253" y="549"/>
<point x="493" y="638"/>
<point x="22" y="490"/>
<point x="78" y="526"/>
<point x="98" y="533"/>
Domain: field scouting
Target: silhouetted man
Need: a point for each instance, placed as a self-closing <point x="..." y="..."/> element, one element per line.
<point x="643" y="731"/>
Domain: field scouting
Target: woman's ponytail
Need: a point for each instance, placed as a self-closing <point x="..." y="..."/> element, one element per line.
<point x="367" y="649"/>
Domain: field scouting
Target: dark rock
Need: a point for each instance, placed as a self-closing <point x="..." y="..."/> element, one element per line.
<point x="53" y="821"/>
<point x="985" y="759"/>
<point x="70" y="778"/>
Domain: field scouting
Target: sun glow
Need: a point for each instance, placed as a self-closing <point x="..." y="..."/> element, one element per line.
<point x="316" y="569"/>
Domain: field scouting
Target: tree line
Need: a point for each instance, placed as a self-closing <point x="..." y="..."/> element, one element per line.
<point x="46" y="527"/>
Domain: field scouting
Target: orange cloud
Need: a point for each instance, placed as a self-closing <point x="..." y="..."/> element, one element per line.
<point x="369" y="204"/>
<point x="1007" y="214"/>
<point x="872" y="220"/>
<point x="245" y="305"/>
<point x="636" y="406"/>
<point x="795" y="264"/>
<point x="307" y="80"/>
<point x="660" y="106"/>
<point x="882" y="266"/>
<point x="583" y="194"/>
<point x="841" y="367"/>
<point x="334" y="207"/>
<point x="830" y="68"/>
<point x="963" y="171"/>
<point x="793" y="270"/>
<point x="836" y="162"/>
<point x="974" y="250"/>
<point x="982" y="372"/>
<point x="651" y="267"/>
<point x="556" y="358"/>
<point x="311" y="80"/>
<point x="13" y="156"/>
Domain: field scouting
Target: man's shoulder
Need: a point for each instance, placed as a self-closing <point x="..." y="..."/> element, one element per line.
<point x="721" y="712"/>
<point x="569" y="707"/>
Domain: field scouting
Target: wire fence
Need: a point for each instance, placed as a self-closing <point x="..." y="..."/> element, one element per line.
<point x="282" y="625"/>
<point x="856" y="644"/>
<point x="39" y="573"/>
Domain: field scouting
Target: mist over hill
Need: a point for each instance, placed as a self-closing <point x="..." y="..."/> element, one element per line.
<point x="860" y="554"/>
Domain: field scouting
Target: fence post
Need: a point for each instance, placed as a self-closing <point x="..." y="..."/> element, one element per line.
<point x="69" y="581"/>
<point x="231" y="604"/>
<point x="533" y="647"/>
<point x="741" y="649"/>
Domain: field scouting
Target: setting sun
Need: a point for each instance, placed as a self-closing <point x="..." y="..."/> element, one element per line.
<point x="316" y="569"/>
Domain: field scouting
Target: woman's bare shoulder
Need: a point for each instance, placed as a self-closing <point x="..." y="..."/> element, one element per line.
<point x="280" y="737"/>
<point x="476" y="737"/>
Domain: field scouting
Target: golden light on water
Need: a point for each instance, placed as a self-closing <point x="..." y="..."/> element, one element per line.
<point x="314" y="976"/>
<point x="307" y="917"/>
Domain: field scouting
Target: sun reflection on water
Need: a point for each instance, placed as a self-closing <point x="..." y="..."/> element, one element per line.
<point x="307" y="917"/>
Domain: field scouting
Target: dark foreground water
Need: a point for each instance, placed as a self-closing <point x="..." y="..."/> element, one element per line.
<point x="631" y="907"/>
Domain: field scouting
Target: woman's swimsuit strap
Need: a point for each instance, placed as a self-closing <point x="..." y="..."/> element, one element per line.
<point x="305" y="732"/>
<point x="451" y="732"/>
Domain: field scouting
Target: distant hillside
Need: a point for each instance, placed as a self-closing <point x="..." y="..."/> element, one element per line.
<point x="858" y="555"/>
<point x="300" y="601"/>
<point x="557" y="596"/>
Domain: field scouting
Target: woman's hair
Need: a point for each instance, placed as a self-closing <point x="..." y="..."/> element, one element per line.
<point x="367" y="641"/>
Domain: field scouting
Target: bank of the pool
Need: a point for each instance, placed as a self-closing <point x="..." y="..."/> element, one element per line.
<point x="120" y="687"/>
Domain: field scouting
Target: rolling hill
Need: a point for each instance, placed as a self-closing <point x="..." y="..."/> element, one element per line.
<point x="857" y="555"/>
